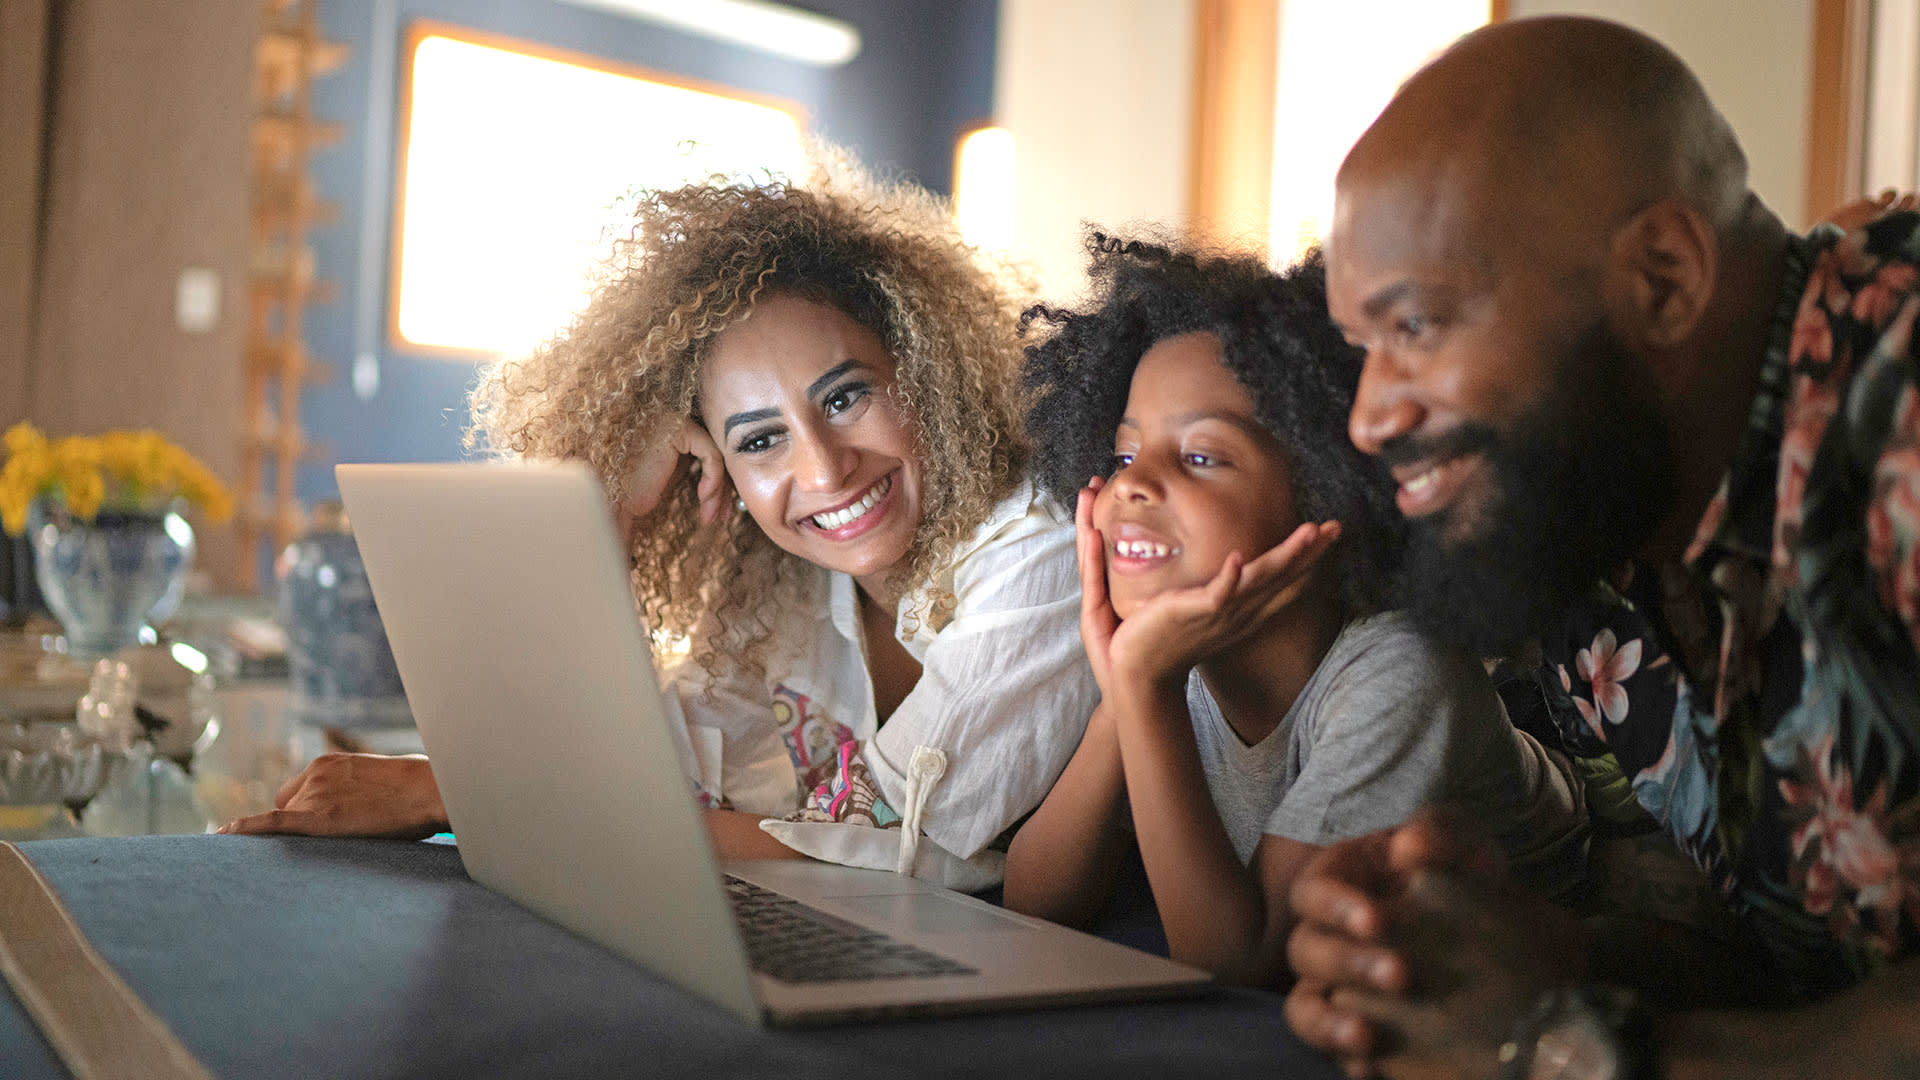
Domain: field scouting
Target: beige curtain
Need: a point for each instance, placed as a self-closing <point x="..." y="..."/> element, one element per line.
<point x="23" y="81"/>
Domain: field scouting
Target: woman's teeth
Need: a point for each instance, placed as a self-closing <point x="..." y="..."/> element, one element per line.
<point x="1142" y="549"/>
<point x="834" y="519"/>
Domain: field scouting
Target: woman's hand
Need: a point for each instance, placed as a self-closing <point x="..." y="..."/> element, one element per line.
<point x="355" y="795"/>
<point x="688" y="451"/>
<point x="1176" y="629"/>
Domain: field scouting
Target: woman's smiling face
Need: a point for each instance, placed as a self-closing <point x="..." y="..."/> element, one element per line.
<point x="801" y="401"/>
<point x="1195" y="476"/>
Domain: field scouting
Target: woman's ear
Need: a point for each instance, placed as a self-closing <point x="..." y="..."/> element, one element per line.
<point x="1665" y="263"/>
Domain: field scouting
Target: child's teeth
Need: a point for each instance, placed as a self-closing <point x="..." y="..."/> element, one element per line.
<point x="1142" y="549"/>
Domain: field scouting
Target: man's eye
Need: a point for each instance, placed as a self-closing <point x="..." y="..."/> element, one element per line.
<point x="1413" y="326"/>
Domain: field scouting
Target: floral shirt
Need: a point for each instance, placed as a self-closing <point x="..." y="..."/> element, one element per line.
<point x="1763" y="698"/>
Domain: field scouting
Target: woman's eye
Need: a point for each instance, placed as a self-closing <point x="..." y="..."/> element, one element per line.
<point x="755" y="443"/>
<point x="843" y="398"/>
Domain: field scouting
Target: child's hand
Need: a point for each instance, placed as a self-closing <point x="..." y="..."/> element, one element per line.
<point x="1175" y="630"/>
<point x="1097" y="618"/>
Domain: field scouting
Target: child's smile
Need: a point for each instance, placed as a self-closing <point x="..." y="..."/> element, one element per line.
<point x="1196" y="477"/>
<point x="1134" y="549"/>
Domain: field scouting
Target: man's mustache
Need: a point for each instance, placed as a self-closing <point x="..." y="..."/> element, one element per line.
<point x="1467" y="438"/>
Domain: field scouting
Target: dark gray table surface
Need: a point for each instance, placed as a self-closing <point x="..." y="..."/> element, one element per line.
<point x="293" y="957"/>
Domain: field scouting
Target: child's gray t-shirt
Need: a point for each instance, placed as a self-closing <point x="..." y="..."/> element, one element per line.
<point x="1389" y="722"/>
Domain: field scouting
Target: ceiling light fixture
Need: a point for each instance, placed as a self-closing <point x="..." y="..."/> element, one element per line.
<point x="758" y="24"/>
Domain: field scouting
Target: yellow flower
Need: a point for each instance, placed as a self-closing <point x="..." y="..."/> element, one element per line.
<point x="129" y="470"/>
<point x="118" y="453"/>
<point x="22" y="437"/>
<point x="15" y="497"/>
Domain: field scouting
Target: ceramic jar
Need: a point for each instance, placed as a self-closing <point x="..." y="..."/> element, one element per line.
<point x="338" y="659"/>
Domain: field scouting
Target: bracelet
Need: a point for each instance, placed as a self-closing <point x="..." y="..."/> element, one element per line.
<point x="1516" y="1054"/>
<point x="1589" y="1032"/>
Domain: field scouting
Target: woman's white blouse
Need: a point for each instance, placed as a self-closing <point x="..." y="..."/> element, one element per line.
<point x="1002" y="701"/>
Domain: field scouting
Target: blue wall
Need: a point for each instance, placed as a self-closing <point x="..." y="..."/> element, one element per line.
<point x="924" y="75"/>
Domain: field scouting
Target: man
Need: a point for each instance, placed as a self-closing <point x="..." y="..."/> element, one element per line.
<point x="1670" y="452"/>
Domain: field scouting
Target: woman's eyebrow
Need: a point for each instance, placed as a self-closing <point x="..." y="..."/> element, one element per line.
<point x="819" y="385"/>
<point x="747" y="417"/>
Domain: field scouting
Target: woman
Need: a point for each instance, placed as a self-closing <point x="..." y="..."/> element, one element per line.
<point x="878" y="638"/>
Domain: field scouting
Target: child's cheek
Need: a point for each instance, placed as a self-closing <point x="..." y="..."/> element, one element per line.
<point x="1103" y="509"/>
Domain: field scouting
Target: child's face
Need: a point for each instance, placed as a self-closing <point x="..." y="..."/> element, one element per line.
<point x="1195" y="476"/>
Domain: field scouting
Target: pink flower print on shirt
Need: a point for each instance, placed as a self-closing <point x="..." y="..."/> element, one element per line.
<point x="1605" y="666"/>
<point x="1709" y="528"/>
<point x="1844" y="846"/>
<point x="813" y="739"/>
<point x="1812" y="336"/>
<point x="1893" y="517"/>
<point x="1812" y="401"/>
<point x="1881" y="296"/>
<point x="848" y="794"/>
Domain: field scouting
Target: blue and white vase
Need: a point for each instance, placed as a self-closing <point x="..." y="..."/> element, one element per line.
<point x="338" y="659"/>
<point x="108" y="578"/>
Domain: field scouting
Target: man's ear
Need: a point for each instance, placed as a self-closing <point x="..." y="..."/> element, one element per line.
<point x="1665" y="263"/>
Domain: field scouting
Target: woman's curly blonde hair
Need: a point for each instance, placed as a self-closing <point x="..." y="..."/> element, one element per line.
<point x="614" y="384"/>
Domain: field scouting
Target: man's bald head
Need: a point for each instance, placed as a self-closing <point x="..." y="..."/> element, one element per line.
<point x="1552" y="119"/>
<point x="1547" y="247"/>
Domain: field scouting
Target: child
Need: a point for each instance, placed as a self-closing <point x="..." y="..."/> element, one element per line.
<point x="1235" y="553"/>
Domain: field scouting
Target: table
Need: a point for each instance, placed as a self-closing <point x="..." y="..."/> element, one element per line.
<point x="255" y="744"/>
<point x="299" y="957"/>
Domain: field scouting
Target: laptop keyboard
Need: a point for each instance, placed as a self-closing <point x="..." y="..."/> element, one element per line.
<point x="799" y="944"/>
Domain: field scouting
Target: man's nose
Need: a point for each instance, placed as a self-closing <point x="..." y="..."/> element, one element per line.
<point x="1384" y="405"/>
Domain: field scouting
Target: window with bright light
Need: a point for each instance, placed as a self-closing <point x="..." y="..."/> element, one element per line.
<point x="983" y="188"/>
<point x="516" y="164"/>
<point x="1892" y="143"/>
<point x="1328" y="90"/>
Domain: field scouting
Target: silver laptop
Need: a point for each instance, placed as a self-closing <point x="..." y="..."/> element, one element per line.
<point x="507" y="603"/>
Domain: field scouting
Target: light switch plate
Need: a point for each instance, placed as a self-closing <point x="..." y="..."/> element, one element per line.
<point x="196" y="300"/>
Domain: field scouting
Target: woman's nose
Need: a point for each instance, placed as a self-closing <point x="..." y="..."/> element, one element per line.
<point x="821" y="462"/>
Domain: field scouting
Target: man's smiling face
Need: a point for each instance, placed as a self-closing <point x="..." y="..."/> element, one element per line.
<point x="1525" y="436"/>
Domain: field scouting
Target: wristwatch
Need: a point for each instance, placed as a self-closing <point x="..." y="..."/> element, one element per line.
<point x="1587" y="1032"/>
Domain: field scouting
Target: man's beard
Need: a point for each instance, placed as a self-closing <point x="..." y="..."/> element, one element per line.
<point x="1577" y="486"/>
